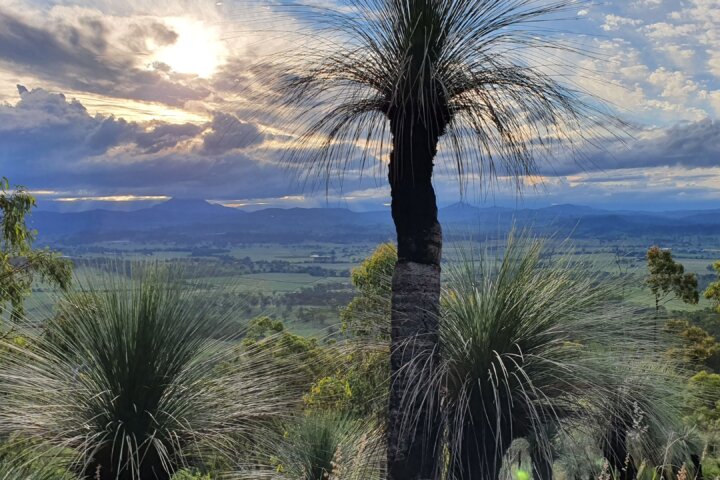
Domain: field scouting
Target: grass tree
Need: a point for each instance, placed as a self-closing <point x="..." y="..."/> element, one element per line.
<point x="528" y="345"/>
<point x="325" y="445"/>
<point x="418" y="76"/>
<point x="128" y="381"/>
<point x="646" y="421"/>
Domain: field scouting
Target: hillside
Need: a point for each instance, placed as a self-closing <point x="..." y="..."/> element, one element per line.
<point x="187" y="220"/>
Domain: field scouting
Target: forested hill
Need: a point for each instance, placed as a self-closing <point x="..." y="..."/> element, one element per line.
<point x="197" y="220"/>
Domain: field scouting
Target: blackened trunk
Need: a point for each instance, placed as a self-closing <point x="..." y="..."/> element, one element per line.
<point x="105" y="466"/>
<point x="697" y="465"/>
<point x="480" y="456"/>
<point x="617" y="454"/>
<point x="542" y="464"/>
<point x="414" y="426"/>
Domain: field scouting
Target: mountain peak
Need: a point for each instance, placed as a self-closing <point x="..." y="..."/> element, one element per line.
<point x="460" y="204"/>
<point x="185" y="204"/>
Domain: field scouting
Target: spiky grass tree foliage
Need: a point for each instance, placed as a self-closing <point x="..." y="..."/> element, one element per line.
<point x="646" y="423"/>
<point x="326" y="445"/>
<point x="640" y="434"/>
<point x="526" y="343"/>
<point x="418" y="76"/>
<point x="127" y="378"/>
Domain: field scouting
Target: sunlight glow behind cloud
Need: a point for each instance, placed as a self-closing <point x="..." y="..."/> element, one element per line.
<point x="114" y="198"/>
<point x="198" y="49"/>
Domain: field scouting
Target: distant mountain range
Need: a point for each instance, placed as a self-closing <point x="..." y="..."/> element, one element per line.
<point x="193" y="221"/>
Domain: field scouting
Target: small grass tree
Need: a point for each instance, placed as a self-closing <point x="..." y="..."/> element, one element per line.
<point x="532" y="345"/>
<point x="133" y="380"/>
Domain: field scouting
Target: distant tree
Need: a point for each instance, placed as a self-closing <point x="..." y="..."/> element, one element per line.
<point x="667" y="277"/>
<point x="360" y="381"/>
<point x="712" y="292"/>
<point x="20" y="264"/>
<point x="288" y="351"/>
<point x="704" y="404"/>
<point x="697" y="345"/>
<point x="368" y="314"/>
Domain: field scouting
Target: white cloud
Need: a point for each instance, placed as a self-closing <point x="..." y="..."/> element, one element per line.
<point x="674" y="85"/>
<point x="647" y="3"/>
<point x="714" y="98"/>
<point x="663" y="30"/>
<point x="615" y="22"/>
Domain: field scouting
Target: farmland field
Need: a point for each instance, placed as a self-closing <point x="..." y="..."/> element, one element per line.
<point x="306" y="284"/>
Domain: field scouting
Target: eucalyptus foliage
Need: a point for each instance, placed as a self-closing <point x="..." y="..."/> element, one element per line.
<point x="131" y="378"/>
<point x="20" y="263"/>
<point x="19" y="462"/>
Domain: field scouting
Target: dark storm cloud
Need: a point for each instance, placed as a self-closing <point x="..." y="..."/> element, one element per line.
<point x="181" y="174"/>
<point x="82" y="57"/>
<point x="688" y="145"/>
<point x="51" y="143"/>
<point x="57" y="51"/>
<point x="228" y="133"/>
<point x="47" y="127"/>
<point x="164" y="136"/>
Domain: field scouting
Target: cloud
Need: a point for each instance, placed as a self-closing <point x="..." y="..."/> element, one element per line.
<point x="687" y="145"/>
<point x="46" y="125"/>
<point x="673" y="84"/>
<point x="87" y="53"/>
<point x="50" y="142"/>
<point x="228" y="133"/>
<point x="615" y="22"/>
<point x="140" y="34"/>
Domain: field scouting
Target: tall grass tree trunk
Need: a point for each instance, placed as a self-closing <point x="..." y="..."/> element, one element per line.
<point x="542" y="466"/>
<point x="617" y="454"/>
<point x="415" y="312"/>
<point x="107" y="466"/>
<point x="480" y="456"/>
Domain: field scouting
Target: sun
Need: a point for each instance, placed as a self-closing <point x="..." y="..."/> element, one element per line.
<point x="198" y="49"/>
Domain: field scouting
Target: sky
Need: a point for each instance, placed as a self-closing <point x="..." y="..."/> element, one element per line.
<point x="121" y="104"/>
